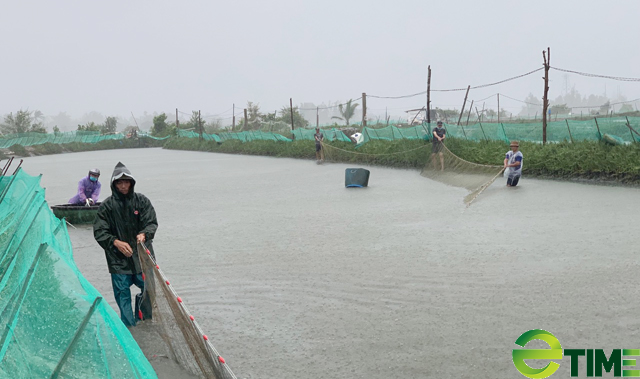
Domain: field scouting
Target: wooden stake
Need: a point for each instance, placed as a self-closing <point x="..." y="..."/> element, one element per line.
<point x="570" y="136"/>
<point x="598" y="127"/>
<point x="469" y="114"/>
<point x="545" y="98"/>
<point x="200" y="125"/>
<point x="464" y="103"/>
<point x="291" y="109"/>
<point x="233" y="120"/>
<point x="245" y="120"/>
<point x="631" y="129"/>
<point x="364" y="110"/>
<point x="429" y="96"/>
<point x="481" y="128"/>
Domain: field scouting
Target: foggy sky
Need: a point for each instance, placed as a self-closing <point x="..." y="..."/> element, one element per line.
<point x="119" y="57"/>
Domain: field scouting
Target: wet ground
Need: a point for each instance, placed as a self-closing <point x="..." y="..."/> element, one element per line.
<point x="293" y="276"/>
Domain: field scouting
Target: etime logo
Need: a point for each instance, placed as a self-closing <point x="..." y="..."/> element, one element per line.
<point x="596" y="359"/>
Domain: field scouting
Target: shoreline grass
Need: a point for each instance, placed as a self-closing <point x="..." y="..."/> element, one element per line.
<point x="75" y="147"/>
<point x="591" y="161"/>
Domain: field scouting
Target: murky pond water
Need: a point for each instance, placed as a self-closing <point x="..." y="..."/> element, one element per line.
<point x="293" y="276"/>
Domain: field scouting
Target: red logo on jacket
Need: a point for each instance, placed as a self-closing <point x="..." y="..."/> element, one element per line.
<point x="135" y="212"/>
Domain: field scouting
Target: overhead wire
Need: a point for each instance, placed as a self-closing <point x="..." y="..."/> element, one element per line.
<point x="597" y="76"/>
<point x="458" y="89"/>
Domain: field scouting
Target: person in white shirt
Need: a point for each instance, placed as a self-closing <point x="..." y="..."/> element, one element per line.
<point x="513" y="164"/>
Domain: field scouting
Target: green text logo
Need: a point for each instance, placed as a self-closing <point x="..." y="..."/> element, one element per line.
<point x="596" y="359"/>
<point x="519" y="355"/>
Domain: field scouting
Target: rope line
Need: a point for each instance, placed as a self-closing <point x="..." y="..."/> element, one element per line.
<point x="477" y="101"/>
<point x="490" y="84"/>
<point x="459" y="89"/>
<point x="598" y="76"/>
<point x="508" y="97"/>
<point x="598" y="106"/>
<point x="465" y="161"/>
<point x="329" y="107"/>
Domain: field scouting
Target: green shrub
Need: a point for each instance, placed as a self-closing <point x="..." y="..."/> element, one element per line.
<point x="19" y="150"/>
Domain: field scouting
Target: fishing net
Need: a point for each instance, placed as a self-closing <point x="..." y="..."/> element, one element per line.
<point x="53" y="322"/>
<point x="455" y="171"/>
<point x="181" y="338"/>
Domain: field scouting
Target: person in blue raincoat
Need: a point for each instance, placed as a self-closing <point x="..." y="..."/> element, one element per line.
<point x="88" y="189"/>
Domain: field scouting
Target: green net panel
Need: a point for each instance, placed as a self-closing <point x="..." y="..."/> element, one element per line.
<point x="390" y="133"/>
<point x="247" y="136"/>
<point x="253" y="135"/>
<point x="192" y="134"/>
<point x="332" y="134"/>
<point x="557" y="131"/>
<point x="53" y="322"/>
<point x="31" y="139"/>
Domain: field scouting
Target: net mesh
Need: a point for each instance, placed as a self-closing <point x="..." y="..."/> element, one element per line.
<point x="53" y="322"/>
<point x="447" y="168"/>
<point x="182" y="339"/>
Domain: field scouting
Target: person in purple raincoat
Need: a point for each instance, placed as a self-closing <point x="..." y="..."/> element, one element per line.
<point x="88" y="189"/>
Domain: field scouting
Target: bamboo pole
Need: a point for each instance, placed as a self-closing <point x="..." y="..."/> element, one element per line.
<point x="479" y="122"/>
<point x="463" y="132"/>
<point x="570" y="136"/>
<point x="291" y="110"/>
<point x="200" y="125"/>
<point x="482" y="188"/>
<point x="245" y="119"/>
<point x="429" y="96"/>
<point x="364" y="109"/>
<point x="631" y="129"/>
<point x="464" y="103"/>
<point x="469" y="114"/>
<point x="598" y="127"/>
<point x="545" y="98"/>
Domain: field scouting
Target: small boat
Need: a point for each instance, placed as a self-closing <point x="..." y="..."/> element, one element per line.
<point x="356" y="177"/>
<point x="76" y="214"/>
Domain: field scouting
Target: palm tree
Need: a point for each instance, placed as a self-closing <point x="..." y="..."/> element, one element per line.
<point x="347" y="111"/>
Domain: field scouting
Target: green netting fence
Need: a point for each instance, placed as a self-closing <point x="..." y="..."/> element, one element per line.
<point x="624" y="128"/>
<point x="31" y="139"/>
<point x="332" y="134"/>
<point x="391" y="133"/>
<point x="53" y="322"/>
<point x="557" y="131"/>
<point x="246" y="136"/>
